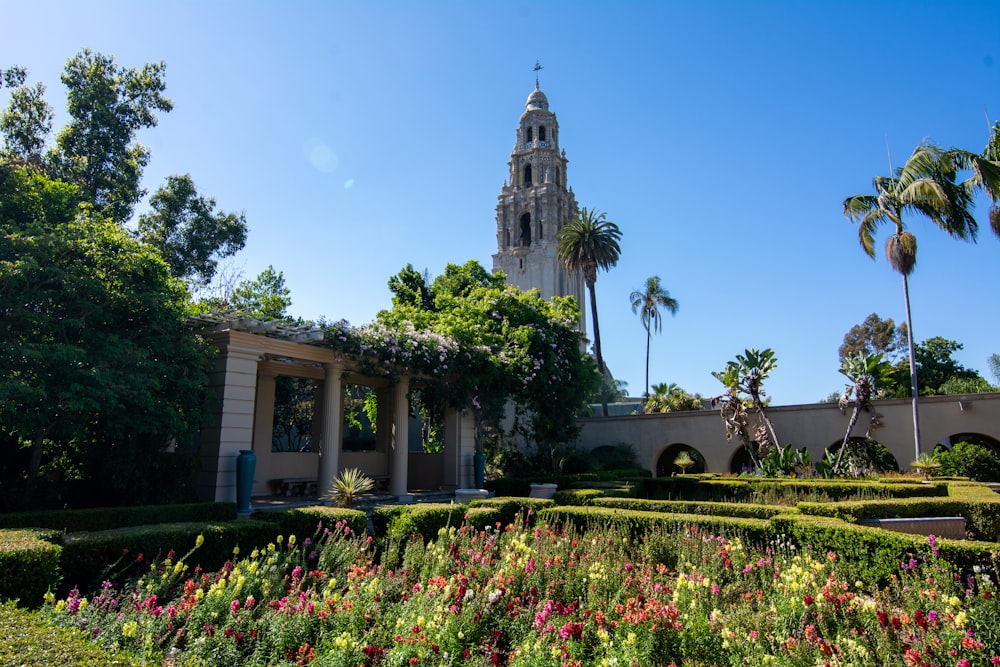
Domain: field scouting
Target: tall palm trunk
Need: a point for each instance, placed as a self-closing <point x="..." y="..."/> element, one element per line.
<point x="648" y="335"/>
<point x="847" y="436"/>
<point x="597" y="344"/>
<point x="913" y="368"/>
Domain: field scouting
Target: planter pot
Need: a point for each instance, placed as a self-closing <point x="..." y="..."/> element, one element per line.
<point x="464" y="496"/>
<point x="546" y="491"/>
<point x="246" y="465"/>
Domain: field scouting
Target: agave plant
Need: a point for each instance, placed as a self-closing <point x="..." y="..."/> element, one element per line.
<point x="347" y="486"/>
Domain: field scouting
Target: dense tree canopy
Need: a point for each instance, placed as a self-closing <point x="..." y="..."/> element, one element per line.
<point x="874" y="336"/>
<point x="97" y="369"/>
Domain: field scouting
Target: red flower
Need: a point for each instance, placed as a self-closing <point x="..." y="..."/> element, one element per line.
<point x="808" y="600"/>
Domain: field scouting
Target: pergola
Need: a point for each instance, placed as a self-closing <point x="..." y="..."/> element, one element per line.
<point x="251" y="354"/>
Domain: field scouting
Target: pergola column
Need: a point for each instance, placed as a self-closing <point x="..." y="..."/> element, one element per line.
<point x="333" y="418"/>
<point x="400" y="440"/>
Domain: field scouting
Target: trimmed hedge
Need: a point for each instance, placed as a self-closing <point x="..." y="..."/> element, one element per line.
<point x="746" y="510"/>
<point x="521" y="486"/>
<point x="107" y="518"/>
<point x="690" y="487"/>
<point x="510" y="510"/>
<point x="578" y="497"/>
<point x="28" y="640"/>
<point x="307" y="521"/>
<point x="89" y="558"/>
<point x="637" y="522"/>
<point x="876" y="554"/>
<point x="29" y="566"/>
<point x="401" y="522"/>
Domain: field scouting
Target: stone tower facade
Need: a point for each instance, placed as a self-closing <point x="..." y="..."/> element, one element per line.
<point x="533" y="205"/>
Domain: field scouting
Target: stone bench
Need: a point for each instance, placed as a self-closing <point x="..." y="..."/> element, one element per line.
<point x="294" y="486"/>
<point x="939" y="526"/>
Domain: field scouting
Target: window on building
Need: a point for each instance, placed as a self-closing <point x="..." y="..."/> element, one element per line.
<point x="527" y="175"/>
<point x="529" y="137"/>
<point x="541" y="133"/>
<point x="525" y="239"/>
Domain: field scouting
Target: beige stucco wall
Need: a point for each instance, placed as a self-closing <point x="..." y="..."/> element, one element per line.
<point x="815" y="427"/>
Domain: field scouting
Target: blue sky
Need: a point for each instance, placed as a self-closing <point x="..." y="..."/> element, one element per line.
<point x="722" y="137"/>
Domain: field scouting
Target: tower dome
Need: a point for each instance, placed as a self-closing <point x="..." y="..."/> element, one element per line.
<point x="537" y="100"/>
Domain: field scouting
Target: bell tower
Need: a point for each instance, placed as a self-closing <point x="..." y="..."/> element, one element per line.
<point x="533" y="205"/>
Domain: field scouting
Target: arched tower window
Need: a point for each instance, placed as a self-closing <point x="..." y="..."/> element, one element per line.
<point x="558" y="176"/>
<point x="530" y="136"/>
<point x="527" y="175"/>
<point x="541" y="133"/>
<point x="525" y="239"/>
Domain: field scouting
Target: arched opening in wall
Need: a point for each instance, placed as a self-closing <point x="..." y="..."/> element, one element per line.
<point x="678" y="459"/>
<point x="525" y="239"/>
<point x="360" y="418"/>
<point x="972" y="455"/>
<point x="541" y="133"/>
<point x="294" y="407"/>
<point x="529" y="134"/>
<point x="865" y="456"/>
<point x="527" y="176"/>
<point x="740" y="461"/>
<point x="980" y="439"/>
<point x="558" y="178"/>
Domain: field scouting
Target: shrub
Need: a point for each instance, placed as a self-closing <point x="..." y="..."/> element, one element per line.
<point x="972" y="460"/>
<point x="305" y="521"/>
<point x="510" y="510"/>
<point x="27" y="639"/>
<point x="29" y="566"/>
<point x="106" y="518"/>
<point x="89" y="558"/>
<point x="746" y="510"/>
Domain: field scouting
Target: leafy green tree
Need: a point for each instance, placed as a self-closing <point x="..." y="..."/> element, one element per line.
<point x="26" y="123"/>
<point x="513" y="348"/>
<point x="409" y="288"/>
<point x="925" y="185"/>
<point x="98" y="370"/>
<point x="874" y="336"/>
<point x="108" y="104"/>
<point x="188" y="232"/>
<point x="865" y="375"/>
<point x="585" y="245"/>
<point x="648" y="302"/>
<point x="266" y="296"/>
<point x="994" y="363"/>
<point x="936" y="367"/>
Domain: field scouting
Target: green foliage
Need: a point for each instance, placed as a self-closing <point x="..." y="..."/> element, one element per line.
<point x="190" y="235"/>
<point x="746" y="510"/>
<point x="972" y="460"/>
<point x="484" y="345"/>
<point x="108" y="104"/>
<point x="121" y="553"/>
<point x="106" y="518"/>
<point x="935" y="369"/>
<point x="744" y="383"/>
<point x="310" y="521"/>
<point x="98" y="371"/>
<point x="29" y="566"/>
<point x="784" y="460"/>
<point x="671" y="398"/>
<point x="348" y="486"/>
<point x="26" y="636"/>
<point x="648" y="302"/>
<point x="874" y="336"/>
<point x="26" y="123"/>
<point x="521" y="486"/>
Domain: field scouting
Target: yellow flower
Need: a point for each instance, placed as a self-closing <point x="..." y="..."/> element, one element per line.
<point x="199" y="541"/>
<point x="129" y="629"/>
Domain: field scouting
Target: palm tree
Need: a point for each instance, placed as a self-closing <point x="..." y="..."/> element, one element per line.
<point x="926" y="185"/>
<point x="584" y="245"/>
<point x="865" y="374"/>
<point x="985" y="168"/>
<point x="647" y="303"/>
<point x="746" y="375"/>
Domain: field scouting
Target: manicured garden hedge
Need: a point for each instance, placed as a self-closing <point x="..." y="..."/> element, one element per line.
<point x="304" y="522"/>
<point x="106" y="518"/>
<point x="29" y="566"/>
<point x="521" y="486"/>
<point x="747" y="510"/>
<point x="509" y="510"/>
<point x="400" y="522"/>
<point x="89" y="558"/>
<point x="28" y="640"/>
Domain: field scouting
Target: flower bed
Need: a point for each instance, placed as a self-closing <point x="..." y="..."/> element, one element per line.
<point x="531" y="596"/>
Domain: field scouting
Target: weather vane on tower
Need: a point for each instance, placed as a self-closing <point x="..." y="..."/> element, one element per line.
<point x="538" y="66"/>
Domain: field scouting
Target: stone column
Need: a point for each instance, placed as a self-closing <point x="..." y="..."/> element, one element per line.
<point x="333" y="418"/>
<point x="400" y="441"/>
<point x="452" y="449"/>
